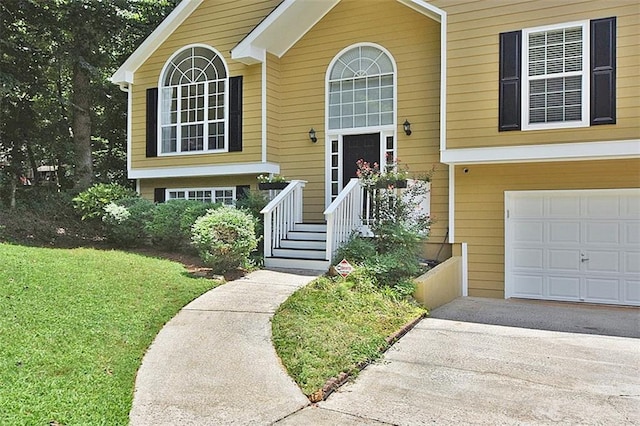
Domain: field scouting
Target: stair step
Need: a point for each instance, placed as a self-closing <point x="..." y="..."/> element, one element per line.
<point x="310" y="227"/>
<point x="303" y="244"/>
<point x="288" y="263"/>
<point x="307" y="236"/>
<point x="299" y="254"/>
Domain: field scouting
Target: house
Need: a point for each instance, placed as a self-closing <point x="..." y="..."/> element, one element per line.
<point x="529" y="111"/>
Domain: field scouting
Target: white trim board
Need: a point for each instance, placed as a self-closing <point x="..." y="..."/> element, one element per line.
<point x="209" y="170"/>
<point x="602" y="150"/>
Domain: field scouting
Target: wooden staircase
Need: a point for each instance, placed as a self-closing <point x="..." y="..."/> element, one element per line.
<point x="304" y="247"/>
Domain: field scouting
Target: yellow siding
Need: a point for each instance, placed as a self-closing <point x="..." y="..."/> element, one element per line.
<point x="414" y="42"/>
<point x="273" y="108"/>
<point x="479" y="206"/>
<point x="472" y="76"/>
<point x="220" y="24"/>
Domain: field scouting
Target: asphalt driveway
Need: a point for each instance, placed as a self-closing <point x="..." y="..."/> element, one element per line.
<point x="482" y="361"/>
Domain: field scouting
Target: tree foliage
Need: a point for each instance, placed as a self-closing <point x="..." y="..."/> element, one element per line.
<point x="57" y="105"/>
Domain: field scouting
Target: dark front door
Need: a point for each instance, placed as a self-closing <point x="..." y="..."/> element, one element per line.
<point x="356" y="147"/>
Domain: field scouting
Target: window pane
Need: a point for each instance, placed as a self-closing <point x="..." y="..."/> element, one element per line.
<point x="169" y="139"/>
<point x="192" y="138"/>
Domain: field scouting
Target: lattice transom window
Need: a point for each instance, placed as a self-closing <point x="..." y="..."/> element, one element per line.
<point x="192" y="105"/>
<point x="556" y="75"/>
<point x="361" y="89"/>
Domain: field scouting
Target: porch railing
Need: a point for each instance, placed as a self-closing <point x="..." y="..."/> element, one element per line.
<point x="344" y="215"/>
<point x="281" y="214"/>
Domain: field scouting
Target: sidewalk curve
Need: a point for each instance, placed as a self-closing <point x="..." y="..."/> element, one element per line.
<point x="214" y="362"/>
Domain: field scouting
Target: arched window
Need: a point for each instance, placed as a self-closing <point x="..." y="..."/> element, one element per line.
<point x="361" y="89"/>
<point x="192" y="102"/>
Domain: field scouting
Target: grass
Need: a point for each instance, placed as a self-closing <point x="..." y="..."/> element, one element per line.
<point x="74" y="327"/>
<point x="331" y="326"/>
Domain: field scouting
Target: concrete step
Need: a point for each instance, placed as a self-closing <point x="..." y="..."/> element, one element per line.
<point x="303" y="244"/>
<point x="310" y="227"/>
<point x="288" y="263"/>
<point x="299" y="253"/>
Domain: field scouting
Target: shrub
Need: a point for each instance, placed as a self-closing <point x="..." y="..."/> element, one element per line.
<point x="253" y="203"/>
<point x="224" y="238"/>
<point x="125" y="221"/>
<point x="170" y="227"/>
<point x="91" y="202"/>
<point x="356" y="250"/>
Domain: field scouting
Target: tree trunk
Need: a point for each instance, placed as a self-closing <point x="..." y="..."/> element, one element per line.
<point x="12" y="193"/>
<point x="82" y="125"/>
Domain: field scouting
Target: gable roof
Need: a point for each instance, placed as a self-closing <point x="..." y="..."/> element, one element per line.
<point x="276" y="34"/>
<point x="291" y="20"/>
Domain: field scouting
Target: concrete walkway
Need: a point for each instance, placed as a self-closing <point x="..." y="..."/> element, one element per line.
<point x="475" y="361"/>
<point x="214" y="362"/>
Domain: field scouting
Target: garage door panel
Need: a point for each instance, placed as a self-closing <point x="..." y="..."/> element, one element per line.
<point x="564" y="232"/>
<point x="632" y="263"/>
<point x="564" y="288"/>
<point x="529" y="285"/>
<point x="529" y="258"/>
<point x="566" y="260"/>
<point x="602" y="233"/>
<point x="530" y="232"/>
<point x="528" y="207"/>
<point x="590" y="245"/>
<point x="602" y="261"/>
<point x="631" y="232"/>
<point x="602" y="206"/>
<point x="602" y="290"/>
<point x="565" y="207"/>
<point x="631" y="290"/>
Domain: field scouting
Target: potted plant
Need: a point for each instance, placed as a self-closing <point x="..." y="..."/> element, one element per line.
<point x="271" y="182"/>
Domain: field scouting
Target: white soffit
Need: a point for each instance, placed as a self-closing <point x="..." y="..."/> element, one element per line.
<point x="124" y="74"/>
<point x="291" y="20"/>
<point x="281" y="29"/>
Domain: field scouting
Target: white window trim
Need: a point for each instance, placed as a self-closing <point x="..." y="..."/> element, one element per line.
<point x="333" y="134"/>
<point x="226" y="108"/>
<point x="586" y="86"/>
<point x="212" y="189"/>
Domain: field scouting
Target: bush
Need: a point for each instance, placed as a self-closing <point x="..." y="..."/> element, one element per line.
<point x="253" y="203"/>
<point x="170" y="227"/>
<point x="356" y="250"/>
<point x="91" y="202"/>
<point x="224" y="238"/>
<point x="126" y="221"/>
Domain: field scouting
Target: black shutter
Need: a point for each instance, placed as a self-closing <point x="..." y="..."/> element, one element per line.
<point x="235" y="114"/>
<point x="159" y="195"/>
<point x="242" y="191"/>
<point x="510" y="81"/>
<point x="152" y="122"/>
<point x="603" y="71"/>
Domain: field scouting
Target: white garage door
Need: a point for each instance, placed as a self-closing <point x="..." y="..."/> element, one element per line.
<point x="579" y="246"/>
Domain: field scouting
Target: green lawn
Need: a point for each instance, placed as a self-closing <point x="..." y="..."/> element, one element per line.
<point x="74" y="325"/>
<point x="330" y="326"/>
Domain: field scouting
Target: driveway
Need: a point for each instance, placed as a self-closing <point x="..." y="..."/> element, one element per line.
<point x="483" y="361"/>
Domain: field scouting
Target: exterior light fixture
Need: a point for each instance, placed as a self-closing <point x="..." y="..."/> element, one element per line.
<point x="312" y="135"/>
<point x="407" y="127"/>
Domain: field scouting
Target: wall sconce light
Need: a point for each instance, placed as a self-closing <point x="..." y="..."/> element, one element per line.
<point x="312" y="135"/>
<point x="407" y="127"/>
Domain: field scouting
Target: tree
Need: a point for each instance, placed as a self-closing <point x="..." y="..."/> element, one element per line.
<point x="57" y="106"/>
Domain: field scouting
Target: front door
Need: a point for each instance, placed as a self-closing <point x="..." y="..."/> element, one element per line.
<point x="356" y="147"/>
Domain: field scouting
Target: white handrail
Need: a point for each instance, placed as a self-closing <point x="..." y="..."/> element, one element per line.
<point x="281" y="214"/>
<point x="344" y="215"/>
